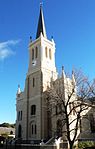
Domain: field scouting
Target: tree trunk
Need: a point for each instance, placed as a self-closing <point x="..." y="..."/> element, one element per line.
<point x="71" y="145"/>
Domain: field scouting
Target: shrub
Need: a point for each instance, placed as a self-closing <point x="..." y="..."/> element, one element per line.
<point x="84" y="144"/>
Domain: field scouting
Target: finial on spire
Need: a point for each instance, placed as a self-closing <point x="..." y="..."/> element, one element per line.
<point x="41" y="3"/>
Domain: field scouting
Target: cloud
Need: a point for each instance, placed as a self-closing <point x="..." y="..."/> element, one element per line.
<point x="6" y="48"/>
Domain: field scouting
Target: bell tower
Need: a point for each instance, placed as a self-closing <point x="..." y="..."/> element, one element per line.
<point x="42" y="53"/>
<point x="41" y="70"/>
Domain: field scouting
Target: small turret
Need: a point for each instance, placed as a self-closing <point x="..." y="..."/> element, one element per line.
<point x="63" y="73"/>
<point x="19" y="90"/>
<point x="52" y="40"/>
<point x="30" y="38"/>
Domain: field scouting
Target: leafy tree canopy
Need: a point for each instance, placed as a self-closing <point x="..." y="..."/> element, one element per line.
<point x="7" y="125"/>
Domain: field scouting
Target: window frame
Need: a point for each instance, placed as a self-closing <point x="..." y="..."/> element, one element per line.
<point x="50" y="55"/>
<point x="46" y="52"/>
<point x="33" y="110"/>
<point x="32" y="129"/>
<point x="36" y="54"/>
<point x="33" y="54"/>
<point x="92" y="123"/>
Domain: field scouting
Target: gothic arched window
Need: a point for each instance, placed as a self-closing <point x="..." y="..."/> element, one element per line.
<point x="50" y="56"/>
<point x="46" y="52"/>
<point x="32" y="54"/>
<point x="19" y="115"/>
<point x="59" y="128"/>
<point x="33" y="109"/>
<point x="33" y="82"/>
<point x="33" y="129"/>
<point x="19" y="131"/>
<point x="92" y="123"/>
<point x="36" y="52"/>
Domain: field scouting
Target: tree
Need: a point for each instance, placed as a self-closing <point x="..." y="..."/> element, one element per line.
<point x="67" y="101"/>
<point x="5" y="135"/>
<point x="7" y="125"/>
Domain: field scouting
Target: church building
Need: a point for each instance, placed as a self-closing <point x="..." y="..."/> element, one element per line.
<point x="33" y="121"/>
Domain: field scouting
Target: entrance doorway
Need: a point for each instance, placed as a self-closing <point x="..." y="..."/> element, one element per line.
<point x="19" y="131"/>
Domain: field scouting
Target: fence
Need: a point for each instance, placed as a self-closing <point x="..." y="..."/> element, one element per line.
<point x="27" y="146"/>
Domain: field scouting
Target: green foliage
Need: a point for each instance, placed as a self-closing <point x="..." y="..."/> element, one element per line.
<point x="7" y="125"/>
<point x="12" y="125"/>
<point x="5" y="135"/>
<point x="84" y="144"/>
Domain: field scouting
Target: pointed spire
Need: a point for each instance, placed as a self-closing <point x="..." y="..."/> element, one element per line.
<point x="63" y="73"/>
<point x="41" y="24"/>
<point x="19" y="90"/>
<point x="30" y="38"/>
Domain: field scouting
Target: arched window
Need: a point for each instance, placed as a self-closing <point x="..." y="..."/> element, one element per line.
<point x="46" y="52"/>
<point x="32" y="54"/>
<point x="92" y="123"/>
<point x="36" y="52"/>
<point x="59" y="128"/>
<point x="33" y="109"/>
<point x="33" y="129"/>
<point x="19" y="131"/>
<point x="50" y="56"/>
<point x="18" y="115"/>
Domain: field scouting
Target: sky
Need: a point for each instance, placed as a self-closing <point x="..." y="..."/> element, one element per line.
<point x="70" y="22"/>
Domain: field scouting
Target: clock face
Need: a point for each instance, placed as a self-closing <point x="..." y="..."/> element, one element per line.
<point x="34" y="62"/>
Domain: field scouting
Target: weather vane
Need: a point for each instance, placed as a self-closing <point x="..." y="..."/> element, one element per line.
<point x="41" y="3"/>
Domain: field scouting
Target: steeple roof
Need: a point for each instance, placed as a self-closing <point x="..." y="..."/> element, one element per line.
<point x="41" y="25"/>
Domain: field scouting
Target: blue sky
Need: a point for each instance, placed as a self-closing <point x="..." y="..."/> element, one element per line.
<point x="70" y="22"/>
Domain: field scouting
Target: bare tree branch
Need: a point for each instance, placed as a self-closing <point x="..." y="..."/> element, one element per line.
<point x="69" y="98"/>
